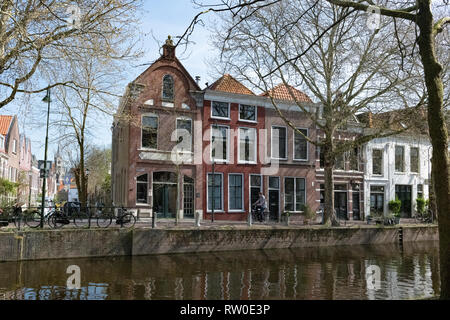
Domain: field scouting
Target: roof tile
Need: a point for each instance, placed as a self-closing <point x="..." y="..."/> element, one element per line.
<point x="281" y="92"/>
<point x="5" y="123"/>
<point x="228" y="84"/>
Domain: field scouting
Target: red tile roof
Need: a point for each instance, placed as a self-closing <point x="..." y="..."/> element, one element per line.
<point x="5" y="123"/>
<point x="228" y="84"/>
<point x="281" y="92"/>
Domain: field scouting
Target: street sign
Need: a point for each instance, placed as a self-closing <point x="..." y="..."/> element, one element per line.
<point x="41" y="164"/>
<point x="44" y="173"/>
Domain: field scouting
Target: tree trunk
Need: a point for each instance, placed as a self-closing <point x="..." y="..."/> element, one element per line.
<point x="329" y="216"/>
<point x="439" y="137"/>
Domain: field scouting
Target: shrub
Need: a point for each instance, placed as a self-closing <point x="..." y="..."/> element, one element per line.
<point x="421" y="203"/>
<point x="308" y="212"/>
<point x="395" y="206"/>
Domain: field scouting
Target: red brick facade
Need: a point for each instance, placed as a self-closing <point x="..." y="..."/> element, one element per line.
<point x="146" y="177"/>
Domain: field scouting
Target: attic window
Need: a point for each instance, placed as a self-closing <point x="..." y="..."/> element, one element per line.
<point x="168" y="90"/>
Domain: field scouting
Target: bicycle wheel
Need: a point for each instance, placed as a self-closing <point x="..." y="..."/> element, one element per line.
<point x="33" y="219"/>
<point x="127" y="221"/>
<point x="104" y="220"/>
<point x="81" y="220"/>
<point x="57" y="221"/>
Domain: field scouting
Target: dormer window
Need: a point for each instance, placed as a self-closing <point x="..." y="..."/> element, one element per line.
<point x="168" y="88"/>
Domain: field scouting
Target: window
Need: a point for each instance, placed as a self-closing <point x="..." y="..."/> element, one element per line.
<point x="168" y="88"/>
<point x="354" y="159"/>
<point x="14" y="146"/>
<point x="399" y="158"/>
<point x="247" y="113"/>
<point x="2" y="141"/>
<point x="414" y="159"/>
<point x="220" y="110"/>
<point x="294" y="194"/>
<point x="219" y="143"/>
<point x="215" y="191"/>
<point x="321" y="158"/>
<point x="255" y="187"/>
<point x="150" y="132"/>
<point x="235" y="192"/>
<point x="247" y="144"/>
<point x="340" y="162"/>
<point x="184" y="134"/>
<point x="279" y="142"/>
<point x="376" y="200"/>
<point x="377" y="161"/>
<point x="142" y="189"/>
<point x="300" y="145"/>
<point x="420" y="191"/>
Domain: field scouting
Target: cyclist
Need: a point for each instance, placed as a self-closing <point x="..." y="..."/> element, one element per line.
<point x="260" y="206"/>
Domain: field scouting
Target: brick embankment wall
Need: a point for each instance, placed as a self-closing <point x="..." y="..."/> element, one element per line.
<point x="61" y="244"/>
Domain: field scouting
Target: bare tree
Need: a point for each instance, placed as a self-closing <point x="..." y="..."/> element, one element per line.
<point x="331" y="53"/>
<point x="35" y="33"/>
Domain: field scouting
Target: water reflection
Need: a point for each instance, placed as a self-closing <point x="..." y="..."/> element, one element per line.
<point x="310" y="273"/>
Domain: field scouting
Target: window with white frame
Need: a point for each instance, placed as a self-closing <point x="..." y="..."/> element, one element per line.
<point x="215" y="191"/>
<point x="377" y="161"/>
<point x="279" y="142"/>
<point x="247" y="145"/>
<point x="235" y="191"/>
<point x="247" y="113"/>
<point x="219" y="141"/>
<point x="142" y="189"/>
<point x="2" y="142"/>
<point x="399" y="158"/>
<point x="300" y="145"/>
<point x="220" y="110"/>
<point x="149" y="131"/>
<point x="14" y="148"/>
<point x="414" y="159"/>
<point x="184" y="134"/>
<point x="294" y="194"/>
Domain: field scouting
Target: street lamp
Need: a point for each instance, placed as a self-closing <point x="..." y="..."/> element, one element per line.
<point x="48" y="100"/>
<point x="30" y="175"/>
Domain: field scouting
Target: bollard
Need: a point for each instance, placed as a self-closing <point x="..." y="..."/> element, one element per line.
<point x="197" y="219"/>
<point x="153" y="220"/>
<point x="249" y="219"/>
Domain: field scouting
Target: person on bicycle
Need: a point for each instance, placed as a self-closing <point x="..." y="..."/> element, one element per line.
<point x="261" y="206"/>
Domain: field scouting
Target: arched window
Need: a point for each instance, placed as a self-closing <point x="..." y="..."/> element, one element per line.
<point x="168" y="90"/>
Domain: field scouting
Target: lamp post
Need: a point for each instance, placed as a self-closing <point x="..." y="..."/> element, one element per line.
<point x="87" y="171"/>
<point x="30" y="175"/>
<point x="48" y="100"/>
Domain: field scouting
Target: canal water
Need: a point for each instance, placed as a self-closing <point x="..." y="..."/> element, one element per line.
<point x="311" y="273"/>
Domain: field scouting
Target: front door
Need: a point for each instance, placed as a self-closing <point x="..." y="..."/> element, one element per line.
<point x="164" y="200"/>
<point x="356" y="208"/>
<point x="340" y="205"/>
<point x="403" y="193"/>
<point x="274" y="204"/>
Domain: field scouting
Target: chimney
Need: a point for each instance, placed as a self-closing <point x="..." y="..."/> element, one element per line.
<point x="370" y="120"/>
<point x="197" y="79"/>
<point x="169" y="49"/>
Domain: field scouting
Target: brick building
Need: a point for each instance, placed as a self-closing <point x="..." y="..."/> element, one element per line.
<point x="158" y="110"/>
<point x="216" y="149"/>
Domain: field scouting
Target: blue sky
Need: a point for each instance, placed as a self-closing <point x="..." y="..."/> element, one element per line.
<point x="160" y="17"/>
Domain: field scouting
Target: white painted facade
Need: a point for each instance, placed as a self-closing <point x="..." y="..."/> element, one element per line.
<point x="389" y="177"/>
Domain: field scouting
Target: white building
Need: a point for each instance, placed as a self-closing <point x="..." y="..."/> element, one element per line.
<point x="396" y="166"/>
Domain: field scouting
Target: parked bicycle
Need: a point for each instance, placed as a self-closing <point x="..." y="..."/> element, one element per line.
<point x="257" y="214"/>
<point x="124" y="219"/>
<point x="14" y="214"/>
<point x="57" y="218"/>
